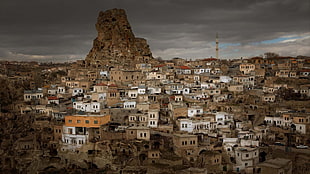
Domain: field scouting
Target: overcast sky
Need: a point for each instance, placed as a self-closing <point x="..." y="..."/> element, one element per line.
<point x="63" y="30"/>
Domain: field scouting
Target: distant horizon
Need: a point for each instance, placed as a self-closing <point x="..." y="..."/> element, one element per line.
<point x="186" y="59"/>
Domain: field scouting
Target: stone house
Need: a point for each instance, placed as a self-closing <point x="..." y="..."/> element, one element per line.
<point x="246" y="68"/>
<point x="269" y="98"/>
<point x="276" y="166"/>
<point x="138" y="119"/>
<point x="246" y="157"/>
<point x="153" y="118"/>
<point x="140" y="133"/>
<point x="30" y="95"/>
<point x="186" y="145"/>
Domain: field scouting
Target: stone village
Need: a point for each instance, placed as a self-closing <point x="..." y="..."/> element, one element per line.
<point x="121" y="111"/>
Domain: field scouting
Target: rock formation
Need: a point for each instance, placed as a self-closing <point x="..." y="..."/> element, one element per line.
<point x="116" y="43"/>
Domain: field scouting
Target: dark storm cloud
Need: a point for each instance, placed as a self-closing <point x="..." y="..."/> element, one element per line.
<point x="56" y="28"/>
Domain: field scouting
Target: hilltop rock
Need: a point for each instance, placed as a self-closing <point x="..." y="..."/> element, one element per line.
<point x="116" y="43"/>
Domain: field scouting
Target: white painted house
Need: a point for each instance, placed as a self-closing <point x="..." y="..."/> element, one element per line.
<point x="194" y="110"/>
<point x="185" y="124"/>
<point x="87" y="106"/>
<point x="133" y="93"/>
<point x="129" y="104"/>
<point x="73" y="138"/>
<point x="77" y="91"/>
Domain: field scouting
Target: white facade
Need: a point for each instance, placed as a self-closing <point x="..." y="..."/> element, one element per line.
<point x="87" y="107"/>
<point x="130" y="104"/>
<point x="154" y="90"/>
<point x="276" y="121"/>
<point x="33" y="95"/>
<point x="269" y="98"/>
<point x="193" y="111"/>
<point x="61" y="90"/>
<point x="74" y="138"/>
<point x="186" y="90"/>
<point x="225" y="79"/>
<point x="223" y="118"/>
<point x="301" y="128"/>
<point x="52" y="91"/>
<point x="205" y="85"/>
<point x="155" y="76"/>
<point x="141" y="90"/>
<point x="133" y="93"/>
<point x="77" y="91"/>
<point x="186" y="125"/>
<point x="104" y="73"/>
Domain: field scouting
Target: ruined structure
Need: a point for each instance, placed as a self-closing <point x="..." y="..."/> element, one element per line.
<point x="116" y="43"/>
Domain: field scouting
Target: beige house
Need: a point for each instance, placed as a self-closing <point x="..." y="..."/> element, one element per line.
<point x="140" y="133"/>
<point x="276" y="166"/>
<point x="246" y="68"/>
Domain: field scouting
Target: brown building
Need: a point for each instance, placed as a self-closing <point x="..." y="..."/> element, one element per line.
<point x="275" y="166"/>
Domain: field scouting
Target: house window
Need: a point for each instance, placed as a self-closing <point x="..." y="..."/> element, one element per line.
<point x="70" y="121"/>
<point x="96" y="122"/>
<point x="87" y="121"/>
<point x="78" y="121"/>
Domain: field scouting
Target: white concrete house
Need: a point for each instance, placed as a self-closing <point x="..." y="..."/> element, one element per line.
<point x="141" y="89"/>
<point x="61" y="90"/>
<point x="33" y="95"/>
<point x="73" y="138"/>
<point x="274" y="121"/>
<point x="223" y="118"/>
<point x="301" y="128"/>
<point x="154" y="90"/>
<point x="77" y="91"/>
<point x="194" y="110"/>
<point x="87" y="107"/>
<point x="133" y="93"/>
<point x="185" y="125"/>
<point x="130" y="104"/>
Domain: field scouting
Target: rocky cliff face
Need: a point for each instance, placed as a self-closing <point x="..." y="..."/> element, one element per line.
<point x="116" y="43"/>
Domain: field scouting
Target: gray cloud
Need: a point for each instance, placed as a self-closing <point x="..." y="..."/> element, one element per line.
<point x="183" y="28"/>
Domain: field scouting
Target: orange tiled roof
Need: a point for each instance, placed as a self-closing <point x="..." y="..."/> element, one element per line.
<point x="184" y="67"/>
<point x="52" y="98"/>
<point x="161" y="65"/>
<point x="112" y="85"/>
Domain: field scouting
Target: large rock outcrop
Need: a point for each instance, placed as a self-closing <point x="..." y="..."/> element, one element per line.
<point x="116" y="43"/>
